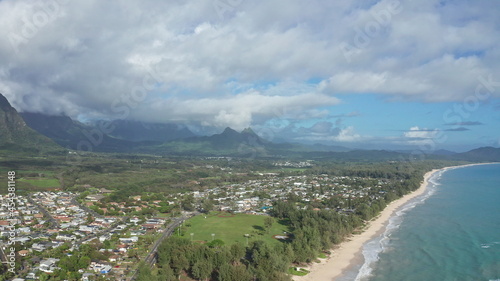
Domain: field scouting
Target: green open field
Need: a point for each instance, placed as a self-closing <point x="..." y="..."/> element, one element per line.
<point x="231" y="228"/>
<point x="42" y="182"/>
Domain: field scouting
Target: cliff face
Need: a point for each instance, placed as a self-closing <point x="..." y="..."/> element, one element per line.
<point x="15" y="134"/>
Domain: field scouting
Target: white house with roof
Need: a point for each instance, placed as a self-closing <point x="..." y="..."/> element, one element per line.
<point x="102" y="268"/>
<point x="104" y="238"/>
<point x="129" y="240"/>
<point x="65" y="237"/>
<point x="38" y="247"/>
<point x="135" y="220"/>
<point x="87" y="228"/>
<point x="48" y="265"/>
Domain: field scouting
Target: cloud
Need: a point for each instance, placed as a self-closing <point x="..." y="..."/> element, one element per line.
<point x="416" y="132"/>
<point x="321" y="127"/>
<point x="236" y="111"/>
<point x="246" y="67"/>
<point x="431" y="52"/>
<point x="459" y="129"/>
<point x="344" y="135"/>
<point x="347" y="134"/>
<point x="321" y="132"/>
<point x="443" y="79"/>
<point x="418" y="136"/>
<point x="467" y="123"/>
<point x="350" y="114"/>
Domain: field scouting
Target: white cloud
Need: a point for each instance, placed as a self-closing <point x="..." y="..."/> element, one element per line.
<point x="236" y="111"/>
<point x="345" y="135"/>
<point x="81" y="57"/>
<point x="322" y="132"/>
<point x="444" y="79"/>
<point x="348" y="135"/>
<point x="418" y="136"/>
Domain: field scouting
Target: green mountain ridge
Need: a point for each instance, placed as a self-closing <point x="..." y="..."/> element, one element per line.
<point x="136" y="131"/>
<point x="75" y="135"/>
<point x="482" y="154"/>
<point x="38" y="133"/>
<point x="17" y="136"/>
<point x="227" y="143"/>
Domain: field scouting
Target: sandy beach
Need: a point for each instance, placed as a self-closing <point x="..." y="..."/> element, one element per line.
<point x="350" y="252"/>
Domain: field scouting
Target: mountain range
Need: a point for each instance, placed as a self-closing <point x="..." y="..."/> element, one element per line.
<point x="35" y="133"/>
<point x="104" y="136"/>
<point x="17" y="136"/>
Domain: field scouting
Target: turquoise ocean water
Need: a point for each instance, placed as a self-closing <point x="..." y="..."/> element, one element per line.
<point x="450" y="233"/>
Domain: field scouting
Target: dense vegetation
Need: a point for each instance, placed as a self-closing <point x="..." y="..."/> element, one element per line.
<point x="313" y="232"/>
<point x="176" y="167"/>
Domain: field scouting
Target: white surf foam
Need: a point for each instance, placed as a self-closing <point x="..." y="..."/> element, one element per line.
<point x="373" y="248"/>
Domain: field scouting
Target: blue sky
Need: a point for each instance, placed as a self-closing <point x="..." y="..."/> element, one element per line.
<point x="394" y="74"/>
<point x="378" y="117"/>
<point x="380" y="123"/>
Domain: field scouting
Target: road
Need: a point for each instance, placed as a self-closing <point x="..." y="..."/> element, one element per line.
<point x="3" y="256"/>
<point x="102" y="232"/>
<point x="151" y="257"/>
<point x="48" y="216"/>
<point x="85" y="208"/>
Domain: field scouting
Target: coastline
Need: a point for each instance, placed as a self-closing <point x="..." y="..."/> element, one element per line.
<point x="349" y="253"/>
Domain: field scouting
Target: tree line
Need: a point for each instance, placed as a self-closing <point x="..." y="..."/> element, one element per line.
<point x="311" y="232"/>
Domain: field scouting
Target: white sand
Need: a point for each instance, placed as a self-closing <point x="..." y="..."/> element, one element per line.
<point x="349" y="253"/>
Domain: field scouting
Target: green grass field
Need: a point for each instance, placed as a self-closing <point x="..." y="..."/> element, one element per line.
<point x="42" y="182"/>
<point x="231" y="229"/>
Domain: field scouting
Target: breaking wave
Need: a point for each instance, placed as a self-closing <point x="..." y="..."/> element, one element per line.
<point x="374" y="247"/>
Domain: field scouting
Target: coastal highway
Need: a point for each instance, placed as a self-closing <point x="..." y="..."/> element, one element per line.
<point x="151" y="257"/>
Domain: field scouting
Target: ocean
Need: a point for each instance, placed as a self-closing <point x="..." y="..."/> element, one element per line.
<point x="452" y="232"/>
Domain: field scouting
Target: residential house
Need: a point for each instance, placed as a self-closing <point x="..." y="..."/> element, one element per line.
<point x="38" y="247"/>
<point x="104" y="238"/>
<point x="135" y="220"/>
<point x="65" y="237"/>
<point x="48" y="265"/>
<point x="129" y="240"/>
<point x="100" y="267"/>
<point x="23" y="253"/>
<point x="88" y="276"/>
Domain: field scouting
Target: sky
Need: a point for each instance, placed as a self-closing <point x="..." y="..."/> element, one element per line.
<point x="365" y="74"/>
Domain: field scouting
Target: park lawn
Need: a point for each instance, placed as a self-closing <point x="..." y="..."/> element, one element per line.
<point x="231" y="229"/>
<point x="42" y="182"/>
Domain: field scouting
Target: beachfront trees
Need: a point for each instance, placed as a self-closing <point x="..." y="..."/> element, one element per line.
<point x="177" y="255"/>
<point x="237" y="252"/>
<point x="266" y="263"/>
<point x="364" y="211"/>
<point x="233" y="273"/>
<point x="314" y="227"/>
<point x="166" y="274"/>
<point x="202" y="269"/>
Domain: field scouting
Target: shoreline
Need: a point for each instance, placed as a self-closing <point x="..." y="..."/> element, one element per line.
<point x="349" y="253"/>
